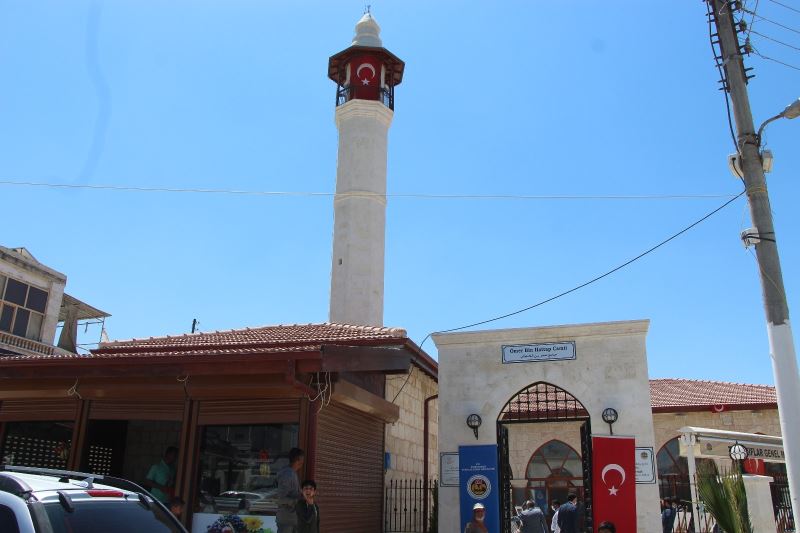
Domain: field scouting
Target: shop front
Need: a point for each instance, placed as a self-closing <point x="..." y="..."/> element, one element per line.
<point x="232" y="419"/>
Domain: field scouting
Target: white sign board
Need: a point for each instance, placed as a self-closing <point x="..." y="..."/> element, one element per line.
<point x="645" y="466"/>
<point x="531" y="353"/>
<point x="448" y="469"/>
<point x="709" y="448"/>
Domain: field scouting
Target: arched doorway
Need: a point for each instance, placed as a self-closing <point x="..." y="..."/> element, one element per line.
<point x="554" y="470"/>
<point x="544" y="403"/>
<point x="673" y="472"/>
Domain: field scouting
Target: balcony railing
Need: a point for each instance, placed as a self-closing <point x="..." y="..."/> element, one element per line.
<point x="383" y="94"/>
<point x="25" y="345"/>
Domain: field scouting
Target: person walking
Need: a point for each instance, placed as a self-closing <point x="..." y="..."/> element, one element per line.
<point x="568" y="515"/>
<point x="476" y="525"/>
<point x="289" y="492"/>
<point x="555" y="505"/>
<point x="307" y="509"/>
<point x="532" y="519"/>
<point x="668" y="515"/>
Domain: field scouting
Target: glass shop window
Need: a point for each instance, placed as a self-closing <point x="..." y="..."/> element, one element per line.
<point x="238" y="467"/>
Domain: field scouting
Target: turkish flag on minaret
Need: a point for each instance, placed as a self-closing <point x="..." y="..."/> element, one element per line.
<point x="614" y="482"/>
<point x="365" y="77"/>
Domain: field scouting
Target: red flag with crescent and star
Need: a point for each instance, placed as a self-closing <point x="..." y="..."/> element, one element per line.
<point x="614" y="482"/>
<point x="365" y="77"/>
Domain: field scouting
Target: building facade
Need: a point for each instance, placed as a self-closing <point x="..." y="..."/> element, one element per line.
<point x="233" y="403"/>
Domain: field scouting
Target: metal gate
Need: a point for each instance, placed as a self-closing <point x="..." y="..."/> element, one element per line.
<point x="586" y="460"/>
<point x="539" y="403"/>
<point x="505" y="477"/>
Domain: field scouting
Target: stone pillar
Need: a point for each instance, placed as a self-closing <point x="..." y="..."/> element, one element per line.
<point x="759" y="502"/>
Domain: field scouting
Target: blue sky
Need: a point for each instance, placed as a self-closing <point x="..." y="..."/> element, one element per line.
<point x="519" y="98"/>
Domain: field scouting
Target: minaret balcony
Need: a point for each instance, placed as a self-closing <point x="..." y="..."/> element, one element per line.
<point x="384" y="95"/>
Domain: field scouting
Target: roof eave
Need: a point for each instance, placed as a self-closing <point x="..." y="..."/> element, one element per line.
<point x="726" y="407"/>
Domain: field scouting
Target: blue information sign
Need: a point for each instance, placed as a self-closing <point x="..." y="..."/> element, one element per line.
<point x="478" y="483"/>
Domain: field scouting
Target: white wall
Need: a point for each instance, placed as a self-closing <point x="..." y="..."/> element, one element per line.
<point x="610" y="370"/>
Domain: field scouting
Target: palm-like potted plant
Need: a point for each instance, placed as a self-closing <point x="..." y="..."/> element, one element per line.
<point x="724" y="497"/>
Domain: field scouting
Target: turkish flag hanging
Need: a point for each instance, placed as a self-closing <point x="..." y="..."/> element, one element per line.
<point x="614" y="482"/>
<point x="365" y="77"/>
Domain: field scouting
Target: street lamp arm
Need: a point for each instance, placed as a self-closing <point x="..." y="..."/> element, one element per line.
<point x="764" y="125"/>
<point x="792" y="111"/>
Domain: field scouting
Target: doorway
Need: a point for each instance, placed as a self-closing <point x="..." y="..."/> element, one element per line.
<point x="553" y="468"/>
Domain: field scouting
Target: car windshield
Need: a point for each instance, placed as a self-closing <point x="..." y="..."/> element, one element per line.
<point x="102" y="516"/>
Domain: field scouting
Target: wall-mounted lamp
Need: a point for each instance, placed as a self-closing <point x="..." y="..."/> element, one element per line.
<point x="474" y="422"/>
<point x="610" y="415"/>
<point x="737" y="452"/>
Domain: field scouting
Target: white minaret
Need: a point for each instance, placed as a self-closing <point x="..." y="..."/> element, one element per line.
<point x="366" y="74"/>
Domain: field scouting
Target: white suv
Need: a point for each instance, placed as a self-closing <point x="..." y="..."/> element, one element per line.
<point x="38" y="500"/>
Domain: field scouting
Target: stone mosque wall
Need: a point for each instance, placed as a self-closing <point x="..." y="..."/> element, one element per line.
<point x="666" y="425"/>
<point x="405" y="439"/>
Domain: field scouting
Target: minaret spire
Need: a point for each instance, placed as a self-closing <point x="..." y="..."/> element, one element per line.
<point x="365" y="74"/>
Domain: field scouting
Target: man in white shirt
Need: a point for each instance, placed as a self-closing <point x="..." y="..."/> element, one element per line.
<point x="554" y="523"/>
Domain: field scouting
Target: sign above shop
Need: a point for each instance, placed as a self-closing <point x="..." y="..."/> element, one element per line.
<point x="713" y="448"/>
<point x="533" y="353"/>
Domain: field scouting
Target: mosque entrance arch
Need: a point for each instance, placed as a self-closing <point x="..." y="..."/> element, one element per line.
<point x="542" y="403"/>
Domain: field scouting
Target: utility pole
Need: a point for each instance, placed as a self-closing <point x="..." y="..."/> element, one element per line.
<point x="784" y="361"/>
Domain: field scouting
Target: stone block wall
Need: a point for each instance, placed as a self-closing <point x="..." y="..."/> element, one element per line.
<point x="405" y="439"/>
<point x="764" y="421"/>
<point x="525" y="439"/>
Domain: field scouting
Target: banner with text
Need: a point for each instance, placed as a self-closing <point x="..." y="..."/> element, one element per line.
<point x="479" y="483"/>
<point x="614" y="482"/>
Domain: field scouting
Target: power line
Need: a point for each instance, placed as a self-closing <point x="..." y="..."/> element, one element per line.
<point x="593" y="280"/>
<point x="784" y="5"/>
<point x="760" y="17"/>
<point x="367" y="195"/>
<point x="752" y="19"/>
<point x="762" y="56"/>
<point x="775" y="40"/>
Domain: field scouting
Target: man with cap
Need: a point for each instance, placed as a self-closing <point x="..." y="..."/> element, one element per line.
<point x="532" y="519"/>
<point x="476" y="525"/>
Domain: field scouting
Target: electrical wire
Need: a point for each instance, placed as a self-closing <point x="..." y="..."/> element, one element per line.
<point x="593" y="280"/>
<point x="784" y="5"/>
<point x="763" y="272"/>
<point x="762" y="56"/>
<point x="765" y="19"/>
<point x="776" y="40"/>
<point x="404" y="384"/>
<point x="369" y="195"/>
<point x="752" y="19"/>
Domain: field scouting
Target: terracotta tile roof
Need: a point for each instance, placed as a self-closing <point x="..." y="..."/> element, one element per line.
<point x="261" y="341"/>
<point x="266" y="336"/>
<point x="217" y="352"/>
<point x="677" y="394"/>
